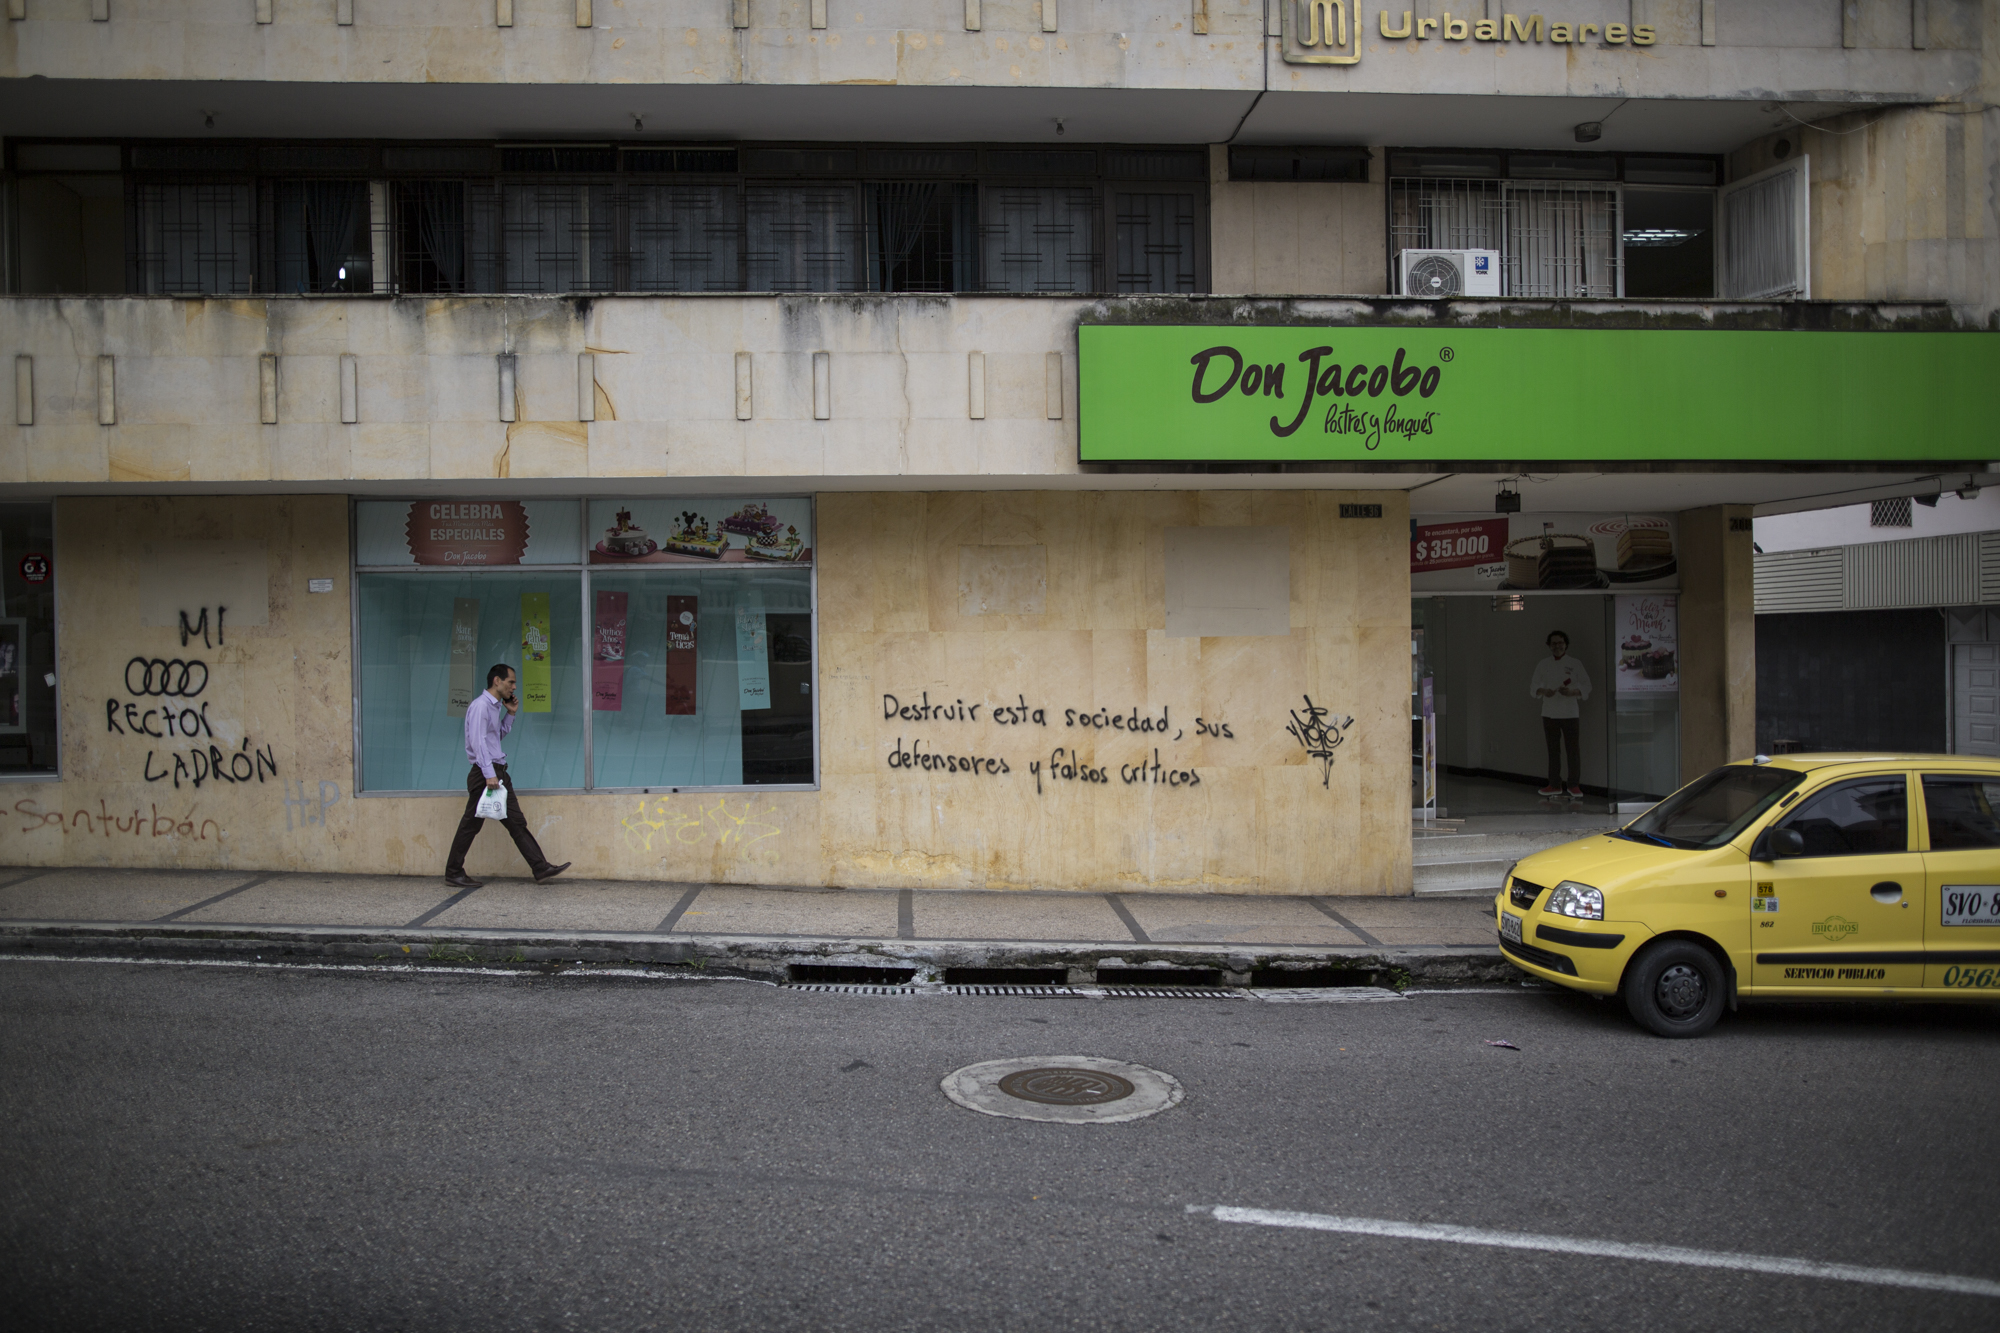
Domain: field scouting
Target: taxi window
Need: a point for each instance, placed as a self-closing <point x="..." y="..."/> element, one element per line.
<point x="1959" y="811"/>
<point x="1867" y="815"/>
<point x="1716" y="806"/>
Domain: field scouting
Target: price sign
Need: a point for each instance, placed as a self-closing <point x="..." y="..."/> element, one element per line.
<point x="1457" y="545"/>
<point x="35" y="567"/>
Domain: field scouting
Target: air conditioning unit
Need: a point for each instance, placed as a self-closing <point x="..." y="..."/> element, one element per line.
<point x="1449" y="272"/>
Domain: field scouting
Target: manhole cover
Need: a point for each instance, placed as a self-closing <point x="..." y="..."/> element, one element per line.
<point x="1068" y="1089"/>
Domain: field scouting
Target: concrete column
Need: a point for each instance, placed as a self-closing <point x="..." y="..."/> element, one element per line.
<point x="1718" y="638"/>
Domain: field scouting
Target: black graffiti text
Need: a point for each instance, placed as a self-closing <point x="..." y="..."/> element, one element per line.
<point x="1158" y="774"/>
<point x="200" y="627"/>
<point x="160" y="723"/>
<point x="956" y="711"/>
<point x="213" y="764"/>
<point x="933" y="762"/>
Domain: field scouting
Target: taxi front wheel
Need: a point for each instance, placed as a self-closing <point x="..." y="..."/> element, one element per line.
<point x="1675" y="988"/>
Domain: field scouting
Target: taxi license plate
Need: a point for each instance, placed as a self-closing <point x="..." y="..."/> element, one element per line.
<point x="1510" y="927"/>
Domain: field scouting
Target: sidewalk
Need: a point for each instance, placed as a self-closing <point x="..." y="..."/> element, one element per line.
<point x="762" y="931"/>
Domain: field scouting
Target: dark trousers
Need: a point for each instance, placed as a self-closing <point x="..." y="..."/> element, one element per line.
<point x="516" y="825"/>
<point x="1561" y="733"/>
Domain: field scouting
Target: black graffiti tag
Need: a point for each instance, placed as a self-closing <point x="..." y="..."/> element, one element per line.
<point x="163" y="679"/>
<point x="1321" y="733"/>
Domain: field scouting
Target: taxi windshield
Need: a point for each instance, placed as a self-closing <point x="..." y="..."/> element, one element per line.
<point x="1715" y="808"/>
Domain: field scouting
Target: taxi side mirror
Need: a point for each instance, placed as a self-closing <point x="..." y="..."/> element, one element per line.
<point x="1778" y="842"/>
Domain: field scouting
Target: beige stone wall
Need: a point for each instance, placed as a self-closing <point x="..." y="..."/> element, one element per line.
<point x="1767" y="48"/>
<point x="1057" y="599"/>
<point x="1904" y="203"/>
<point x="1275" y="238"/>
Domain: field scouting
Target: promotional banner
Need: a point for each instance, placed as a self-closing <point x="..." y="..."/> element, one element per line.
<point x="536" y="646"/>
<point x="463" y="681"/>
<point x="607" y="653"/>
<point x="1229" y="393"/>
<point x="683" y="618"/>
<point x="467" y="532"/>
<point x="753" y="659"/>
<point x="1648" y="645"/>
<point x="728" y="530"/>
<point x="1544" y="553"/>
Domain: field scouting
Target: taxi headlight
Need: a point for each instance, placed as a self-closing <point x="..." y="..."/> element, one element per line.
<point x="1579" y="900"/>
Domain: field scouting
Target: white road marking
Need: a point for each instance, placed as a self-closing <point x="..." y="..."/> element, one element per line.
<point x="427" y="969"/>
<point x="1608" y="1249"/>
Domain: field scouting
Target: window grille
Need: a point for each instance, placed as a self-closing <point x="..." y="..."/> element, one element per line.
<point x="682" y="238"/>
<point x="430" y="235"/>
<point x="556" y="237"/>
<point x="801" y="238"/>
<point x="1040" y="238"/>
<point x="1890" y="513"/>
<point x="193" y="238"/>
<point x="319" y="237"/>
<point x="1156" y="242"/>
<point x="923" y="237"/>
<point x="1765" y="231"/>
<point x="1556" y="241"/>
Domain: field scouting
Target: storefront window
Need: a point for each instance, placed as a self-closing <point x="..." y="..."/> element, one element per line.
<point x="426" y="641"/>
<point x="677" y="645"/>
<point x="27" y="640"/>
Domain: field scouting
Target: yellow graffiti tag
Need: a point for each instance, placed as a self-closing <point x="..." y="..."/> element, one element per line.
<point x="660" y="818"/>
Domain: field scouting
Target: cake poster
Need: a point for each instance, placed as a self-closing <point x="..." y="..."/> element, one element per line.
<point x="536" y="647"/>
<point x="724" y="530"/>
<point x="607" y="653"/>
<point x="467" y="532"/>
<point x="1647" y="649"/>
<point x="683" y="661"/>
<point x="463" y="682"/>
<point x="1544" y="553"/>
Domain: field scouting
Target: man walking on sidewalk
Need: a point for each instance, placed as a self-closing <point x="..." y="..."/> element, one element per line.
<point x="488" y="718"/>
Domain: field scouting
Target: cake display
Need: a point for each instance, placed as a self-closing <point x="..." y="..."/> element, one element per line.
<point x="1632" y="651"/>
<point x="691" y="536"/>
<point x="627" y="538"/>
<point x="772" y="546"/>
<point x="1656" y="665"/>
<point x="753" y="520"/>
<point x="1643" y="548"/>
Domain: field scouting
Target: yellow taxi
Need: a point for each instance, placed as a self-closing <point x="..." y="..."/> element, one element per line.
<point x="1806" y="876"/>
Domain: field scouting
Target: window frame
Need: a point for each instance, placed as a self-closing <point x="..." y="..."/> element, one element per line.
<point x="55" y="772"/>
<point x="582" y="568"/>
<point x="1910" y="813"/>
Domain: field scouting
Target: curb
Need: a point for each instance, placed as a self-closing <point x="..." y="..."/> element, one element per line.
<point x="766" y="958"/>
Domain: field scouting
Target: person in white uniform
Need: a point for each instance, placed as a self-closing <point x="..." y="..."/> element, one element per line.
<point x="1561" y="683"/>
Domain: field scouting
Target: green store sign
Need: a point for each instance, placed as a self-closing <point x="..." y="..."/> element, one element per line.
<point x="1218" y="393"/>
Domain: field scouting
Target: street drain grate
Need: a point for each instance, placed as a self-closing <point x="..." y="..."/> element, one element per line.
<point x="1159" y="976"/>
<point x="1172" y="993"/>
<point x="1006" y="976"/>
<point x="844" y="974"/>
<point x="836" y="988"/>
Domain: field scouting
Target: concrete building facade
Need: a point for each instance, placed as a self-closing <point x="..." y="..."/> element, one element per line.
<point x="770" y="383"/>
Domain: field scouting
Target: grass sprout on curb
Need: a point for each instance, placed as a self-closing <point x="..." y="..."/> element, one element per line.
<point x="450" y="953"/>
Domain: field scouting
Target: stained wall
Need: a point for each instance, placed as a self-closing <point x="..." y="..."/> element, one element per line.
<point x="1053" y="603"/>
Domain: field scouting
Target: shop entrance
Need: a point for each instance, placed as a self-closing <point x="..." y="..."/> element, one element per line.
<point x="1482" y="653"/>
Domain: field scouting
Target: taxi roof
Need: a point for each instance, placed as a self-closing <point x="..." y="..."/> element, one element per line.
<point x="1808" y="763"/>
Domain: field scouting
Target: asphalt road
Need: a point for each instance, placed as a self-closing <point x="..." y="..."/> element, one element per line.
<point x="200" y="1148"/>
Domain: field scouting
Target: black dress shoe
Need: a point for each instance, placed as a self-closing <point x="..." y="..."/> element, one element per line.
<point x="464" y="882"/>
<point x="550" y="873"/>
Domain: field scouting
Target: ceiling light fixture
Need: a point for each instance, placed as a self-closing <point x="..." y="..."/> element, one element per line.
<point x="1590" y="131"/>
<point x="1507" y="501"/>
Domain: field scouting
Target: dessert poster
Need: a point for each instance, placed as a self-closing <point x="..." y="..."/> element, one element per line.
<point x="753" y="659"/>
<point x="536" y="648"/>
<point x="463" y="681"/>
<point x="713" y="530"/>
<point x="467" y="532"/>
<point x="1647" y="649"/>
<point x="1544" y="553"/>
<point x="607" y="653"/>
<point x="683" y="620"/>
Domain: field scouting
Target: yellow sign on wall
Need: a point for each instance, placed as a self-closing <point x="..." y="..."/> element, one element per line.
<point x="536" y="645"/>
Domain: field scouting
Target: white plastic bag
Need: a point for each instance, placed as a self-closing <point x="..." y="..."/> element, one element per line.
<point x="493" y="803"/>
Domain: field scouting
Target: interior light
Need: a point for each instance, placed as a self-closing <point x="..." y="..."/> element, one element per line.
<point x="343" y="273"/>
<point x="1507" y="502"/>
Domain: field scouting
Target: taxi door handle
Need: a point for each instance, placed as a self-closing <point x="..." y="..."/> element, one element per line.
<point x="1888" y="891"/>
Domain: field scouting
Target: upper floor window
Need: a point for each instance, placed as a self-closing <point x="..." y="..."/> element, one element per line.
<point x="479" y="218"/>
<point x="1564" y="226"/>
